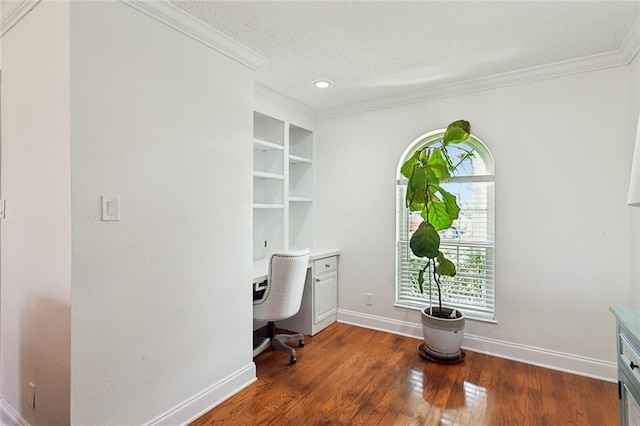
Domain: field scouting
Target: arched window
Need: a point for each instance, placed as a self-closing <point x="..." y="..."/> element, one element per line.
<point x="469" y="243"/>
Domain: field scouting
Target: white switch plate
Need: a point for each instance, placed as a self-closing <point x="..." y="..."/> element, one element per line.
<point x="110" y="207"/>
<point x="369" y="299"/>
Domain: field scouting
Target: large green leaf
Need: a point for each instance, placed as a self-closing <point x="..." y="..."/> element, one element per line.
<point x="417" y="201"/>
<point x="450" y="202"/>
<point x="425" y="242"/>
<point x="407" y="167"/>
<point x="442" y="208"/>
<point x="439" y="165"/>
<point x="416" y="188"/>
<point x="424" y="155"/>
<point x="456" y="132"/>
<point x="438" y="215"/>
<point x="445" y="266"/>
<point x="432" y="177"/>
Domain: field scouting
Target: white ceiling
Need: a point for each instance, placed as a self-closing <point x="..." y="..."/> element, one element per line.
<point x="376" y="52"/>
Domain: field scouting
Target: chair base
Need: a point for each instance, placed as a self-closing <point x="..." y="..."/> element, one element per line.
<point x="277" y="341"/>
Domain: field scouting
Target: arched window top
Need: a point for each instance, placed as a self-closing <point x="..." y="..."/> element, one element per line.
<point x="480" y="164"/>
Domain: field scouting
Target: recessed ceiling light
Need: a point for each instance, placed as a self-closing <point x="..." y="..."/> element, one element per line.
<point x="322" y="84"/>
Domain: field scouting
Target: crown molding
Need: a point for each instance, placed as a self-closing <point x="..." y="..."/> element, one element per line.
<point x="173" y="17"/>
<point x="542" y="72"/>
<point x="631" y="44"/>
<point x="20" y="12"/>
<point x="265" y="94"/>
<point x="623" y="56"/>
<point x="181" y="21"/>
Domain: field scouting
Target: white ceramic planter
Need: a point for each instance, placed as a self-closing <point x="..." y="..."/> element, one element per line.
<point x="443" y="336"/>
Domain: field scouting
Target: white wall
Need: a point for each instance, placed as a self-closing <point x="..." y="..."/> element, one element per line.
<point x="161" y="303"/>
<point x="36" y="234"/>
<point x="562" y="224"/>
<point x="147" y="319"/>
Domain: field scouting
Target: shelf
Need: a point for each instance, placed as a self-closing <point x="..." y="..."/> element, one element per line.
<point x="266" y="146"/>
<point x="301" y="199"/>
<point x="282" y="185"/>
<point x="300" y="142"/>
<point x="297" y="159"/>
<point x="265" y="175"/>
<point x="268" y="206"/>
<point x="268" y="129"/>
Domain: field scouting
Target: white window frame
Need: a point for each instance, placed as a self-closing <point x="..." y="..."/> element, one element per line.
<point x="405" y="296"/>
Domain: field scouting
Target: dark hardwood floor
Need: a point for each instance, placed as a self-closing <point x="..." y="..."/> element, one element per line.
<point x="348" y="375"/>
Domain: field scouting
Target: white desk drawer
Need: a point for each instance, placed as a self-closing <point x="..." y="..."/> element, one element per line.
<point x="325" y="265"/>
<point x="630" y="357"/>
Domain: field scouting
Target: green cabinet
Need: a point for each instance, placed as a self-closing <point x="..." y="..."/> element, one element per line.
<point x="628" y="356"/>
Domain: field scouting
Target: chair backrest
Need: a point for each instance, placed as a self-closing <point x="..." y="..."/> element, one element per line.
<point x="282" y="298"/>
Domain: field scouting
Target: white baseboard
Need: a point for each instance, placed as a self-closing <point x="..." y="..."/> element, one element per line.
<point x="197" y="405"/>
<point x="373" y="322"/>
<point x="568" y="363"/>
<point x="9" y="416"/>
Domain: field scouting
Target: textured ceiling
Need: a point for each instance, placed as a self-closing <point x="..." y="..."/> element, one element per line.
<point x="380" y="50"/>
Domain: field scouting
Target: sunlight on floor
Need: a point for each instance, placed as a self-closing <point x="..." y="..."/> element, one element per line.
<point x="416" y="380"/>
<point x="474" y="408"/>
<point x="472" y="405"/>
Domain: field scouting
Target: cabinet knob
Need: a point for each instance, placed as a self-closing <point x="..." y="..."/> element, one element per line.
<point x="326" y="265"/>
<point x="318" y="280"/>
<point x="633" y="365"/>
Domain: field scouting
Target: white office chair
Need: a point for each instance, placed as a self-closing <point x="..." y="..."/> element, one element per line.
<point x="281" y="299"/>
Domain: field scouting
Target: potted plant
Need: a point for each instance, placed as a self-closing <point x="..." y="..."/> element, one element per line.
<point x="427" y="169"/>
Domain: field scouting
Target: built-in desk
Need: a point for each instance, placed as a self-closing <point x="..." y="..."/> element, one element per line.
<point x="320" y="298"/>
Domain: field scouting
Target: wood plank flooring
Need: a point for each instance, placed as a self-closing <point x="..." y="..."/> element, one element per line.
<point x="348" y="375"/>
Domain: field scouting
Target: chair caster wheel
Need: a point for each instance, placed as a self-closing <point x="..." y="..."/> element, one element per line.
<point x="293" y="360"/>
<point x="301" y="343"/>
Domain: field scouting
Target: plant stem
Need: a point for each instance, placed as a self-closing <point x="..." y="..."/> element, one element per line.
<point x="437" y="280"/>
<point x="433" y="270"/>
<point x="420" y="282"/>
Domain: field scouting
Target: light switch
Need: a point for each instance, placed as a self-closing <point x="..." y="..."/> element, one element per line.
<point x="110" y="207"/>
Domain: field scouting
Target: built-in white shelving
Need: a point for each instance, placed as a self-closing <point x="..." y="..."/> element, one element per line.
<point x="265" y="175"/>
<point x="267" y="146"/>
<point x="267" y="206"/>
<point x="296" y="159"/>
<point x="282" y="185"/>
<point x="283" y="211"/>
<point x="300" y="186"/>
